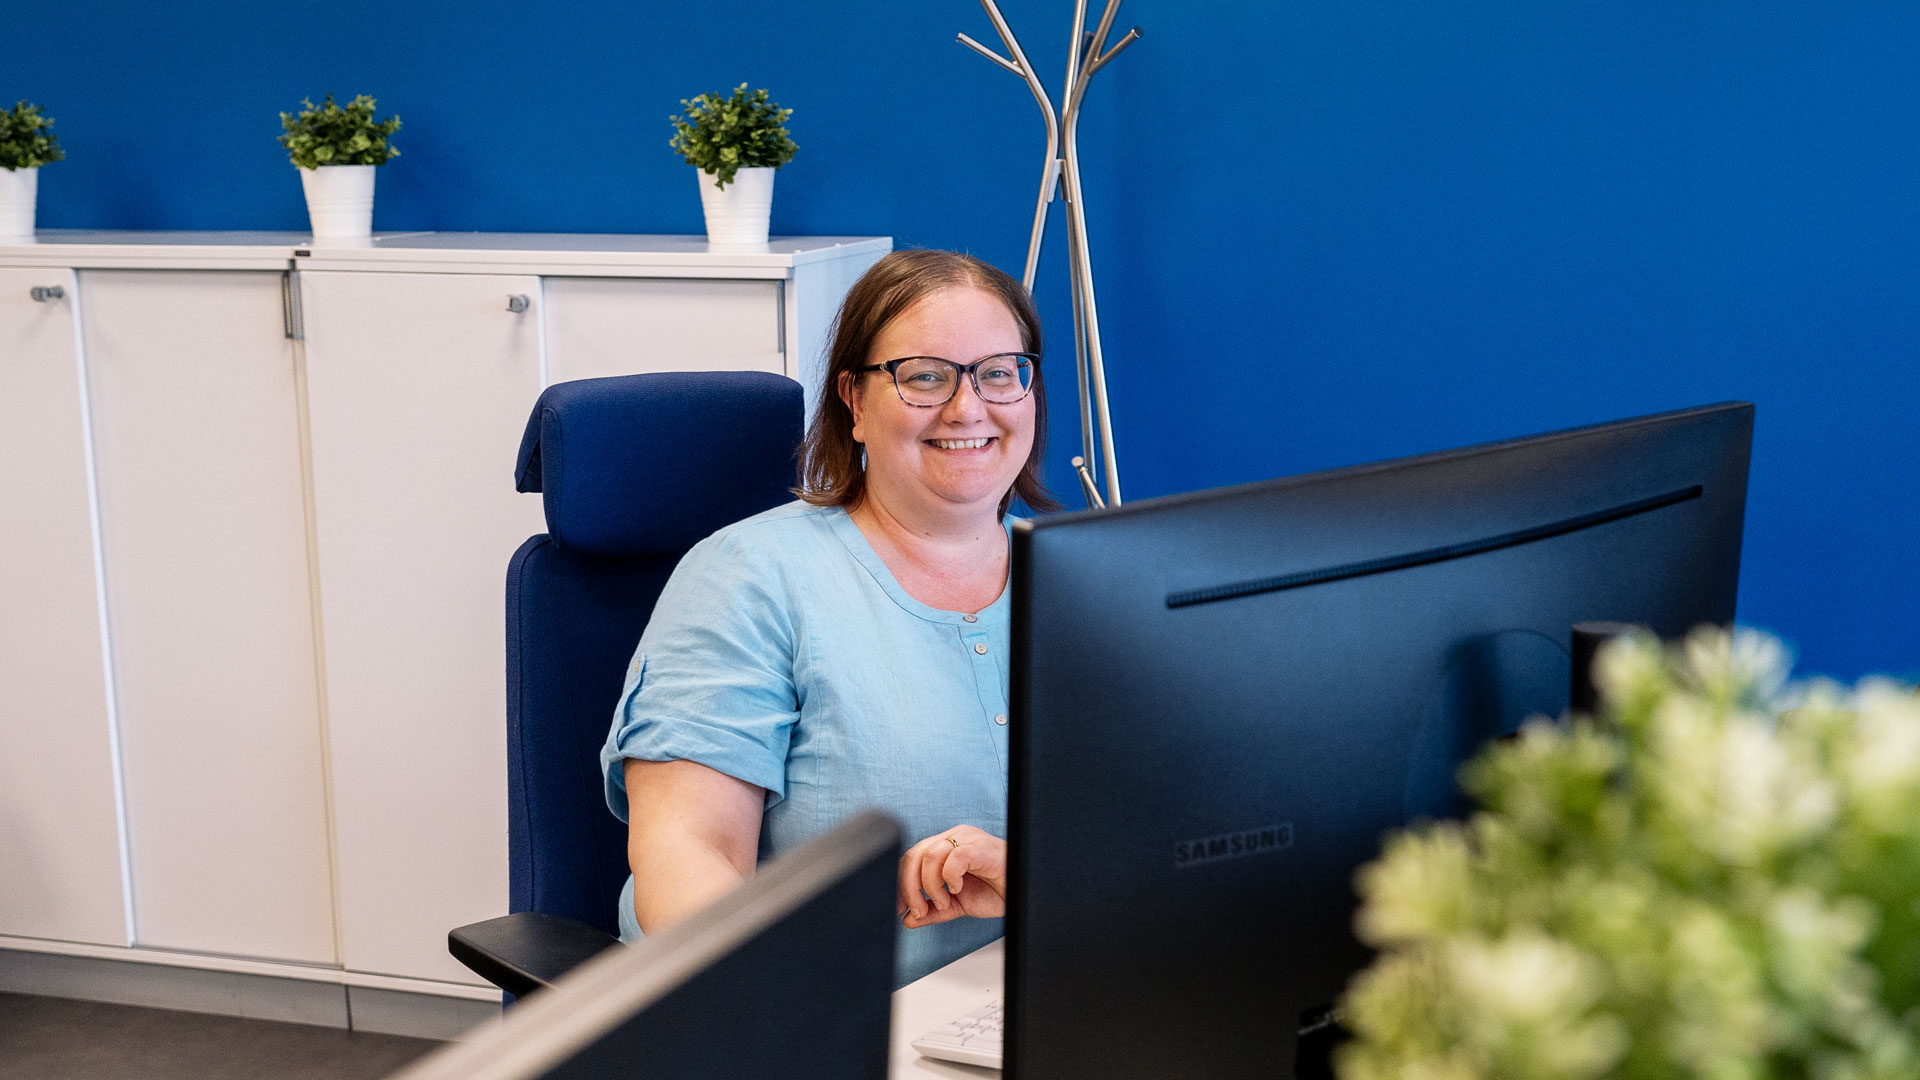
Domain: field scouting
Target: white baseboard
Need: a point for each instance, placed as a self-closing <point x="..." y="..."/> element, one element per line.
<point x="477" y="991"/>
<point x="321" y="996"/>
<point x="423" y="1016"/>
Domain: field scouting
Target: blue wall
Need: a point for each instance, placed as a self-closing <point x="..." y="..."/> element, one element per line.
<point x="1324" y="231"/>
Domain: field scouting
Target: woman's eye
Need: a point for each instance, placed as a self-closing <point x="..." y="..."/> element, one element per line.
<point x="926" y="378"/>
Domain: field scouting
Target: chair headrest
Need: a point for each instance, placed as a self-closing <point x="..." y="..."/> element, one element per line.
<point x="651" y="464"/>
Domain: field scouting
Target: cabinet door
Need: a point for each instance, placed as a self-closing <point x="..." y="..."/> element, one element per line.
<point x="59" y="831"/>
<point x="204" y="531"/>
<point x="623" y="326"/>
<point x="420" y="385"/>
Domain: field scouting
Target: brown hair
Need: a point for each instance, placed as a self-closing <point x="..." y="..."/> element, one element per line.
<point x="832" y="472"/>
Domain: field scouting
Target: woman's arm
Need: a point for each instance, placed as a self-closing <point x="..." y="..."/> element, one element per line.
<point x="692" y="836"/>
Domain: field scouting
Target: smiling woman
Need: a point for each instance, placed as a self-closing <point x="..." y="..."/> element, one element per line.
<point x="849" y="649"/>
<point x="918" y="303"/>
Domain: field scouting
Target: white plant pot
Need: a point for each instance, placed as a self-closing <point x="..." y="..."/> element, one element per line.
<point x="339" y="200"/>
<point x="18" y="189"/>
<point x="737" y="214"/>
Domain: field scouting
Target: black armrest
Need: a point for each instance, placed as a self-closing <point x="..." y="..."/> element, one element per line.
<point x="525" y="951"/>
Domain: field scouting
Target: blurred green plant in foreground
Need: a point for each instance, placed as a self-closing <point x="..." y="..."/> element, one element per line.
<point x="1718" y="877"/>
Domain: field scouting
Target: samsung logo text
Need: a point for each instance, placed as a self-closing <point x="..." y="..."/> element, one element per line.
<point x="1233" y="845"/>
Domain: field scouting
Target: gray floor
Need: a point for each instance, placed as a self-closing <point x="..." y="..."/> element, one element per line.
<point x="57" y="1039"/>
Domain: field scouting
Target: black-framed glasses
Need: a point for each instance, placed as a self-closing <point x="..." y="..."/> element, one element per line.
<point x="927" y="381"/>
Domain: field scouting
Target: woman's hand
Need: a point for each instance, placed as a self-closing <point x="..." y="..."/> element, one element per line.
<point x="956" y="873"/>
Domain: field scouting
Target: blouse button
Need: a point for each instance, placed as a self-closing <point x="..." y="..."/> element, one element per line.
<point x="971" y="618"/>
<point x="981" y="649"/>
<point x="1001" y="719"/>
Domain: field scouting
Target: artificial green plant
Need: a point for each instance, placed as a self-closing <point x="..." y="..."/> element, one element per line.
<point x="332" y="134"/>
<point x="724" y="135"/>
<point x="1717" y="877"/>
<point x="26" y="141"/>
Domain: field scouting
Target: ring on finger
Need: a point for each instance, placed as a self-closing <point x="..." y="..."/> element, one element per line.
<point x="953" y="840"/>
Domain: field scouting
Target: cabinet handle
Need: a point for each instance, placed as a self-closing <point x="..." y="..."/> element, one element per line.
<point x="518" y="304"/>
<point x="43" y="293"/>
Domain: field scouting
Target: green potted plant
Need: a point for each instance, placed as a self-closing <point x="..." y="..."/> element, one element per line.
<point x="735" y="144"/>
<point x="336" y="148"/>
<point x="1717" y="877"/>
<point x="26" y="143"/>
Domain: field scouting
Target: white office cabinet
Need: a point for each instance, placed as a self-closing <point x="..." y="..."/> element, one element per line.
<point x="203" y="516"/>
<point x="425" y="355"/>
<point x="419" y="387"/>
<point x="305" y="508"/>
<point x="60" y="870"/>
<point x="622" y="326"/>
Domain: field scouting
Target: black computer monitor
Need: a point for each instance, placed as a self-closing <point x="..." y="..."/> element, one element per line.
<point x="789" y="976"/>
<point x="1221" y="701"/>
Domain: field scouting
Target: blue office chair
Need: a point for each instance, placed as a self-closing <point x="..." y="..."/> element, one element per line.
<point x="632" y="472"/>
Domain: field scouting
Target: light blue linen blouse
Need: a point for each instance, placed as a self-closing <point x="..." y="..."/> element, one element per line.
<point x="783" y="652"/>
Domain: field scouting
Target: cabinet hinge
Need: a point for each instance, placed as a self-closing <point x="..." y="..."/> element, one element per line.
<point x="290" y="305"/>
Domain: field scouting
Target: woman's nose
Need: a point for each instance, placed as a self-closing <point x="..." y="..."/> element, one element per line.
<point x="965" y="404"/>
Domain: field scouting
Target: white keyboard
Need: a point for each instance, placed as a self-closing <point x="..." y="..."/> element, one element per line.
<point x="974" y="1039"/>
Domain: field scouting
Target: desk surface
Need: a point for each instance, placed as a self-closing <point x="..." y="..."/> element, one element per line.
<point x="954" y="991"/>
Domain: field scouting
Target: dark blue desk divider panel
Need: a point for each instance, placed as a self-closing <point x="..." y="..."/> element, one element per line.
<point x="633" y="471"/>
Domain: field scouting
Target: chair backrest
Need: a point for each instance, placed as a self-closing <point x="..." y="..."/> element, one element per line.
<point x="632" y="471"/>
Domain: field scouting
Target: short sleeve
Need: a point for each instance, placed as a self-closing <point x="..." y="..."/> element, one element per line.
<point x="712" y="679"/>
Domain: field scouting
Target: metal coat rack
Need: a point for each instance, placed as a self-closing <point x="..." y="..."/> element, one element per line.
<point x="1061" y="175"/>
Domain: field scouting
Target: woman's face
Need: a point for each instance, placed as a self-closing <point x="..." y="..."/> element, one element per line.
<point x="963" y="455"/>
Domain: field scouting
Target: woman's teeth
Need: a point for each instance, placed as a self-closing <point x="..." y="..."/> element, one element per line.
<point x="959" y="444"/>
